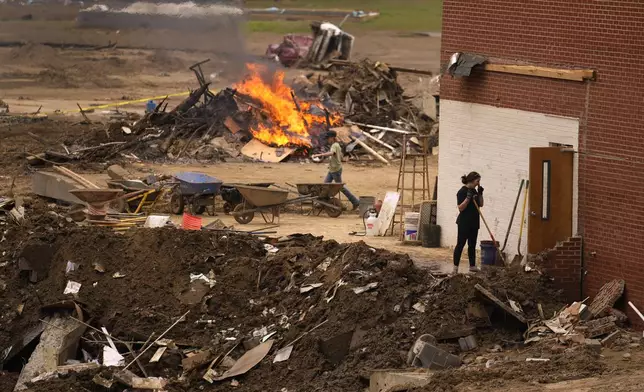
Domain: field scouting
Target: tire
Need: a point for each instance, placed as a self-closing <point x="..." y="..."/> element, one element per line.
<point x="333" y="212"/>
<point x="177" y="203"/>
<point x="245" y="217"/>
<point x="119" y="205"/>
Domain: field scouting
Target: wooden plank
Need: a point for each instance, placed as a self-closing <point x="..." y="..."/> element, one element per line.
<point x="500" y="303"/>
<point x="578" y="75"/>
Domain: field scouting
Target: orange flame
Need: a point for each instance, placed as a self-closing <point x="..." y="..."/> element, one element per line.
<point x="288" y="126"/>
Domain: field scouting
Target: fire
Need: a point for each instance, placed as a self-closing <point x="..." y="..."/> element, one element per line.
<point x="288" y="126"/>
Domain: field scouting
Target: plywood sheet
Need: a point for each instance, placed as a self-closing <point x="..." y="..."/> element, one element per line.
<point x="387" y="212"/>
<point x="261" y="152"/>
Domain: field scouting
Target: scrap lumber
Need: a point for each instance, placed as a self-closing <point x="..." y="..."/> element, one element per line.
<point x="636" y="310"/>
<point x="577" y="75"/>
<point x="391" y="67"/>
<point x="486" y="293"/>
<point x="375" y="139"/>
<point x="76" y="177"/>
<point x="372" y="152"/>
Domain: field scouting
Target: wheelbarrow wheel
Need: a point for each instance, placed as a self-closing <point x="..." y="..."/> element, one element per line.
<point x="334" y="212"/>
<point x="120" y="205"/>
<point x="177" y="203"/>
<point x="243" y="217"/>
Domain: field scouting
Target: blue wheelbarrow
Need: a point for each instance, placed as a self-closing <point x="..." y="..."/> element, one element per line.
<point x="197" y="191"/>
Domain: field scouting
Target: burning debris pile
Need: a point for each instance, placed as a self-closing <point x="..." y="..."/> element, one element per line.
<point x="191" y="310"/>
<point x="262" y="113"/>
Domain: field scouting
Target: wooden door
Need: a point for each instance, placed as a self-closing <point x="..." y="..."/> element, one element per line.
<point x="550" y="193"/>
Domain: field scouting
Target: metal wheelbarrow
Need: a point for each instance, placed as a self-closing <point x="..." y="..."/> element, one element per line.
<point x="232" y="197"/>
<point x="197" y="190"/>
<point x="323" y="197"/>
<point x="137" y="195"/>
<point x="262" y="200"/>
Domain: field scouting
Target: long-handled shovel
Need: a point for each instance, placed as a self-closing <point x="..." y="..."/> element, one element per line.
<point x="514" y="210"/>
<point x="519" y="257"/>
<point x="496" y="244"/>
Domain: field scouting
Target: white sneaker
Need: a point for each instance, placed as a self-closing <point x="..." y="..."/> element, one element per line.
<point x="455" y="270"/>
<point x="475" y="269"/>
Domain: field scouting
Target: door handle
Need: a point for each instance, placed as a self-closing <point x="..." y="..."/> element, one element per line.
<point x="532" y="213"/>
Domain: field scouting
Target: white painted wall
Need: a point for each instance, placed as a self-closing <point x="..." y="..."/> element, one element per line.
<point x="494" y="142"/>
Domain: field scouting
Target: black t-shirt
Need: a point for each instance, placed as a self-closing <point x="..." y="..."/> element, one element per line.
<point x="470" y="215"/>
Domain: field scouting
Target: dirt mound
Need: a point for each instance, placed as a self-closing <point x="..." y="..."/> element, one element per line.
<point x="78" y="75"/>
<point x="574" y="364"/>
<point x="35" y="54"/>
<point x="139" y="282"/>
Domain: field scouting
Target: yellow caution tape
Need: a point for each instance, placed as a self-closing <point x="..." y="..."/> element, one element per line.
<point x="109" y="105"/>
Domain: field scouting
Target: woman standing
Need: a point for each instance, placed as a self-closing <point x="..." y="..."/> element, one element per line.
<point x="468" y="220"/>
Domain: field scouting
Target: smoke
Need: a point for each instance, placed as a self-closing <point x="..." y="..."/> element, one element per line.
<point x="217" y="30"/>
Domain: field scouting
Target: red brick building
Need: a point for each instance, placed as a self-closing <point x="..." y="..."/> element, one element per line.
<point x="600" y="120"/>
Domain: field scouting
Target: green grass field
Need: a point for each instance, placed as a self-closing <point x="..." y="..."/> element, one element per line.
<point x="395" y="15"/>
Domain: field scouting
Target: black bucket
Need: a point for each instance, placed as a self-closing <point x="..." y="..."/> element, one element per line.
<point x="431" y="236"/>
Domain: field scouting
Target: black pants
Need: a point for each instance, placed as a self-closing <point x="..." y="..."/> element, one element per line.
<point x="469" y="234"/>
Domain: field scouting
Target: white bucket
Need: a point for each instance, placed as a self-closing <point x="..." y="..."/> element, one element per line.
<point x="411" y="226"/>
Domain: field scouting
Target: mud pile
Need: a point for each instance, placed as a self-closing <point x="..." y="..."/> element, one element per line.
<point x="139" y="283"/>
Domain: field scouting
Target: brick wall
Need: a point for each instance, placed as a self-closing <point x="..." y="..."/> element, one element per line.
<point x="605" y="35"/>
<point x="563" y="264"/>
<point x="493" y="141"/>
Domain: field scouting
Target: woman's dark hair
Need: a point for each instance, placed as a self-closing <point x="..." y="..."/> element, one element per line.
<point x="473" y="176"/>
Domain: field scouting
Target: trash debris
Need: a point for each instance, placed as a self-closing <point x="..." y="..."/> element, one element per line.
<point x="158" y="354"/>
<point x="130" y="379"/>
<point x="111" y="357"/>
<point x="72" y="287"/>
<point x="153" y="221"/>
<point x="209" y="280"/>
<point x="308" y="287"/>
<point x="118" y="275"/>
<point x="270" y="248"/>
<point x="71" y="267"/>
<point x="500" y="304"/>
<point x="247" y="361"/>
<point x="196" y="360"/>
<point x="419" y="307"/>
<point x="283" y="354"/>
<point x="370" y="286"/>
<point x="425" y="354"/>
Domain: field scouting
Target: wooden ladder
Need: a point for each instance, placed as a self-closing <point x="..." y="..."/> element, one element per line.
<point x="413" y="180"/>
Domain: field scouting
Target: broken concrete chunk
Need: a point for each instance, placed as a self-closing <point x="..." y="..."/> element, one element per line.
<point x="467" y="343"/>
<point x="58" y="342"/>
<point x="116" y="172"/>
<point x="393" y="380"/>
<point x="425" y="354"/>
<point x="130" y="379"/>
<point x="594" y="344"/>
